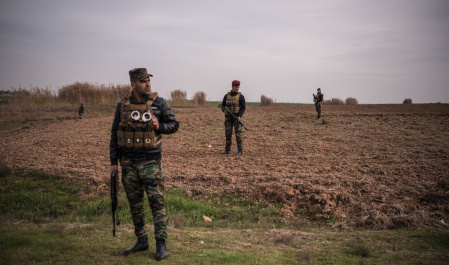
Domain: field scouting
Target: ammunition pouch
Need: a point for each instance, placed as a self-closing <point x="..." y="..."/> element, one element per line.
<point x="136" y="128"/>
<point x="232" y="103"/>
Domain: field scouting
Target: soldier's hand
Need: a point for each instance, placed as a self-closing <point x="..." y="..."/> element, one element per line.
<point x="114" y="168"/>
<point x="155" y="123"/>
<point x="226" y="113"/>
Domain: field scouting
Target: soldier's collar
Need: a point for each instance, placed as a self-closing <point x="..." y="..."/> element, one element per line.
<point x="144" y="98"/>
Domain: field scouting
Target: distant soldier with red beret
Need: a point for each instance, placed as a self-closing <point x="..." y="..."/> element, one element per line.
<point x="234" y="101"/>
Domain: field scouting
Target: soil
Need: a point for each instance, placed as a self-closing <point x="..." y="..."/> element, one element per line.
<point x="379" y="166"/>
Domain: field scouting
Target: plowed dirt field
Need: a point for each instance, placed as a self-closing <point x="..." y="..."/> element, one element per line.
<point x="382" y="166"/>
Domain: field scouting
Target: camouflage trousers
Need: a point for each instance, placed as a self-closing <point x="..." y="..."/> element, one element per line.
<point x="230" y="123"/>
<point x="147" y="176"/>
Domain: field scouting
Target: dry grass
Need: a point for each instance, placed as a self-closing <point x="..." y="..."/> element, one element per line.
<point x="178" y="97"/>
<point x="266" y="101"/>
<point x="407" y="101"/>
<point x="333" y="101"/>
<point x="352" y="101"/>
<point x="283" y="238"/>
<point x="32" y="104"/>
<point x="199" y="98"/>
<point x="359" y="249"/>
<point x="34" y="95"/>
<point x="178" y="220"/>
<point x="92" y="93"/>
<point x="38" y="104"/>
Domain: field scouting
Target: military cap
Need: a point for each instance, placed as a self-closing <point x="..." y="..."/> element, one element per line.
<point x="139" y="73"/>
<point x="236" y="83"/>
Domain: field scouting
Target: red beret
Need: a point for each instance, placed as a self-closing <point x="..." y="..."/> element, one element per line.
<point x="236" y="83"/>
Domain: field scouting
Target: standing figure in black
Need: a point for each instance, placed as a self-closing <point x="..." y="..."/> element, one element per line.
<point x="318" y="99"/>
<point x="234" y="101"/>
<point x="81" y="111"/>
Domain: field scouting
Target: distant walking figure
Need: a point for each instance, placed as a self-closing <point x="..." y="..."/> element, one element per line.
<point x="318" y="99"/>
<point x="81" y="111"/>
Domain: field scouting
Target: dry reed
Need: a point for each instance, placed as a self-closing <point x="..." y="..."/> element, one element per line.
<point x="266" y="101"/>
<point x="178" y="97"/>
<point x="199" y="98"/>
<point x="92" y="93"/>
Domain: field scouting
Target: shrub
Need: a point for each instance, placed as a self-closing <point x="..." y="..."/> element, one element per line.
<point x="352" y="101"/>
<point x="265" y="101"/>
<point x="333" y="101"/>
<point x="407" y="101"/>
<point x="92" y="93"/>
<point x="178" y="97"/>
<point x="199" y="98"/>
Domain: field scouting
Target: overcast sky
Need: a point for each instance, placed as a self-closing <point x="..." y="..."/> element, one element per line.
<point x="378" y="51"/>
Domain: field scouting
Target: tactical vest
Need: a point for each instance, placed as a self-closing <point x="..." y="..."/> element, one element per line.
<point x="232" y="103"/>
<point x="136" y="129"/>
<point x="318" y="97"/>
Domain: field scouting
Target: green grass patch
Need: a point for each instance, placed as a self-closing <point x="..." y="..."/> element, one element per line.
<point x="13" y="125"/>
<point x="92" y="243"/>
<point x="230" y="209"/>
<point x="184" y="107"/>
<point x="5" y="98"/>
<point x="185" y="211"/>
<point x="406" y="144"/>
<point x="35" y="195"/>
<point x="67" y="229"/>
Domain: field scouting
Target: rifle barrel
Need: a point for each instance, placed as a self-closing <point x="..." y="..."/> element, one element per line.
<point x="224" y="108"/>
<point x="113" y="199"/>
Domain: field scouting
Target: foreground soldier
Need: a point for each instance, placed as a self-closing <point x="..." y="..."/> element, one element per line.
<point x="235" y="102"/>
<point x="139" y="122"/>
<point x="318" y="99"/>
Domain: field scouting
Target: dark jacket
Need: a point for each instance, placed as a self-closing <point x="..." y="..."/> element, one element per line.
<point x="242" y="103"/>
<point x="167" y="125"/>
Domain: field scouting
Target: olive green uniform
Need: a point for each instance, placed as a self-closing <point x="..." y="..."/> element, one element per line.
<point x="235" y="102"/>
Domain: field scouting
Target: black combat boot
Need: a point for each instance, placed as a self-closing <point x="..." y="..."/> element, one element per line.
<point x="226" y="152"/>
<point x="239" y="153"/>
<point x="141" y="244"/>
<point x="161" y="250"/>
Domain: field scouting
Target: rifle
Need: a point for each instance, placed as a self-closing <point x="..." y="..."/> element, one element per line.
<point x="114" y="192"/>
<point x="223" y="108"/>
<point x="314" y="97"/>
